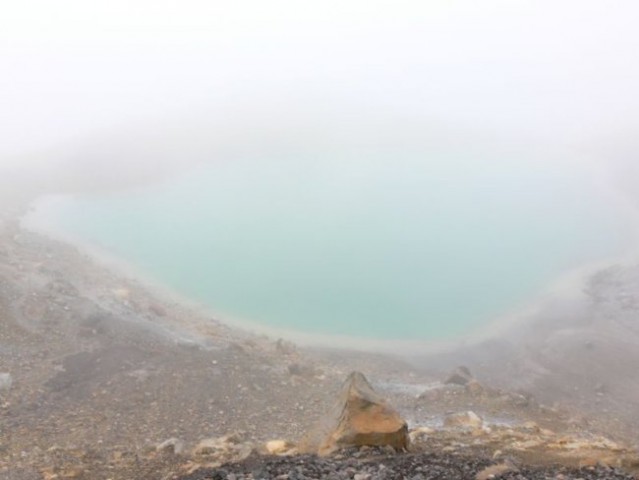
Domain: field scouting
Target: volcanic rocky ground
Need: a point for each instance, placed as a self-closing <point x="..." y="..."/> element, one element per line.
<point x="100" y="378"/>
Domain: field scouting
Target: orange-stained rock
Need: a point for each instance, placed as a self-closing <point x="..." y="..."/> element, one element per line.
<point x="361" y="417"/>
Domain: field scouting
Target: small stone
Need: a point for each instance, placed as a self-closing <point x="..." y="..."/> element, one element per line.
<point x="157" y="310"/>
<point x="460" y="376"/>
<point x="122" y="293"/>
<point x="301" y="370"/>
<point x="463" y="420"/>
<point x="362" y="476"/>
<point x="5" y="382"/>
<point x="473" y="387"/>
<point x="284" y="347"/>
<point x="210" y="446"/>
<point x="74" y="472"/>
<point x="531" y="427"/>
<point x="420" y="433"/>
<point x="279" y="447"/>
<point x="494" y="471"/>
<point x="173" y="446"/>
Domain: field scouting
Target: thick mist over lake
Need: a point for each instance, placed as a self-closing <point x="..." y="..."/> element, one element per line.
<point x="374" y="169"/>
<point x="388" y="245"/>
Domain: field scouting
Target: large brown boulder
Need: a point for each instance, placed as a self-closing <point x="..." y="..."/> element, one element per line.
<point x="361" y="417"/>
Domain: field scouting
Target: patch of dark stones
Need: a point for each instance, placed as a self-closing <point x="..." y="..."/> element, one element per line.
<point x="423" y="466"/>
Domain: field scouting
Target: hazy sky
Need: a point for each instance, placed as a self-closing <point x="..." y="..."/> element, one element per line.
<point x="546" y="68"/>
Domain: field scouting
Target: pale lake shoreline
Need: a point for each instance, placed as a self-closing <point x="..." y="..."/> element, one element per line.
<point x="566" y="287"/>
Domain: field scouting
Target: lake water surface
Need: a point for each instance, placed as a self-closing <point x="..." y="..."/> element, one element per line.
<point x="384" y="247"/>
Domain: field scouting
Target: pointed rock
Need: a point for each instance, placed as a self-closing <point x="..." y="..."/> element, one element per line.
<point x="362" y="417"/>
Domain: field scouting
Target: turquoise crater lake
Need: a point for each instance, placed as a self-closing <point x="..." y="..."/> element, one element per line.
<point x="381" y="248"/>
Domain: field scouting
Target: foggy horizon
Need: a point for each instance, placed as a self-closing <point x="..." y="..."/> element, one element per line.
<point x="528" y="73"/>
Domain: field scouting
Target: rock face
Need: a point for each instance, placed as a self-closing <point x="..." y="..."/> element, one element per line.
<point x="361" y="417"/>
<point x="495" y="471"/>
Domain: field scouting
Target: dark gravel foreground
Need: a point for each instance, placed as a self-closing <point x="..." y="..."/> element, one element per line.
<point x="407" y="466"/>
